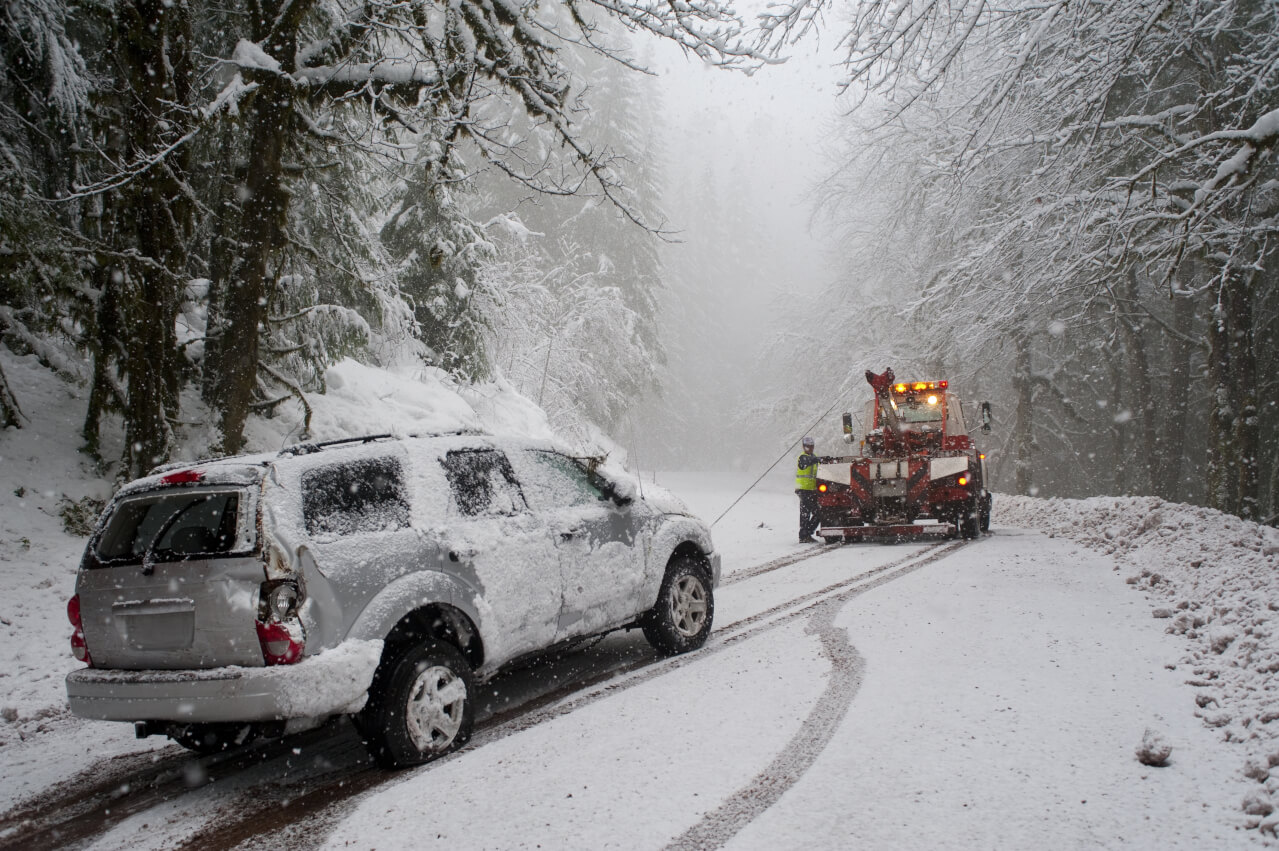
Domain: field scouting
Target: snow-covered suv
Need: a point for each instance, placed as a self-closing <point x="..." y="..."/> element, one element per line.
<point x="381" y="577"/>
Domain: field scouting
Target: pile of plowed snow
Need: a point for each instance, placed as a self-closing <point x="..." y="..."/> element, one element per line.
<point x="1213" y="578"/>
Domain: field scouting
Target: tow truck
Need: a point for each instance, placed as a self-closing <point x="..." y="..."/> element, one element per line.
<point x="919" y="473"/>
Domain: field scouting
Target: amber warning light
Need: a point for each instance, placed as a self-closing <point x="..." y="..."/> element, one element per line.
<point x="903" y="387"/>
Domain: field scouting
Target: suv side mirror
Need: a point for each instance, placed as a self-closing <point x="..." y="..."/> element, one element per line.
<point x="609" y="490"/>
<point x="606" y="486"/>
<point x="985" y="416"/>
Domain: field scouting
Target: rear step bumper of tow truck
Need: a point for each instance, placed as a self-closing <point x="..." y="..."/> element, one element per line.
<point x="902" y="531"/>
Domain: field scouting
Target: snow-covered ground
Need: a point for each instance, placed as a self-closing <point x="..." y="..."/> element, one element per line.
<point x="978" y="695"/>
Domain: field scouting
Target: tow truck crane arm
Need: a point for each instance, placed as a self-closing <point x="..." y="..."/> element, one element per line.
<point x="882" y="384"/>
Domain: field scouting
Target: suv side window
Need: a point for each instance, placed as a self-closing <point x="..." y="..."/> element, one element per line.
<point x="364" y="495"/>
<point x="553" y="480"/>
<point x="482" y="482"/>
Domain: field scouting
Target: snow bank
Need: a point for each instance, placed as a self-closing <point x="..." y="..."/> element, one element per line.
<point x="1211" y="576"/>
<point x="398" y="399"/>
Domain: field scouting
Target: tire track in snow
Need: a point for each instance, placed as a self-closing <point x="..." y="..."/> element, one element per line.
<point x="782" y="561"/>
<point x="306" y="818"/>
<point x="720" y="825"/>
<point x="276" y="810"/>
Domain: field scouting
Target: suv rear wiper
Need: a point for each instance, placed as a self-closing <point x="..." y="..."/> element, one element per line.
<point x="148" y="556"/>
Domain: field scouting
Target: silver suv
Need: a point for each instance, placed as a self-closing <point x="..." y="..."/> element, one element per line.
<point x="379" y="577"/>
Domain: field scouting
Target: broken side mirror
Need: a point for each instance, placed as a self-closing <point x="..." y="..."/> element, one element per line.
<point x="607" y="487"/>
<point x="985" y="416"/>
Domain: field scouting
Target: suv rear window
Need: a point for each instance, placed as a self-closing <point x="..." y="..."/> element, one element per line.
<point x="174" y="526"/>
<point x="365" y="495"/>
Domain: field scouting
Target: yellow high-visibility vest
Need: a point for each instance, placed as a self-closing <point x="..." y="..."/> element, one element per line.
<point x="806" y="477"/>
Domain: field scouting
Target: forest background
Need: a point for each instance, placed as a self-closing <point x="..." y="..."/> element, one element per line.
<point x="1065" y="208"/>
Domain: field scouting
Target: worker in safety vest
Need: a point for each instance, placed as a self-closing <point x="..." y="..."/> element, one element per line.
<point x="806" y="488"/>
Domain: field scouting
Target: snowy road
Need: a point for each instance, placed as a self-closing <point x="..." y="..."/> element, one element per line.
<point x="912" y="696"/>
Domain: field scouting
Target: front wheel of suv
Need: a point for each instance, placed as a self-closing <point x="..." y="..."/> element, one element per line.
<point x="681" y="619"/>
<point x="421" y="705"/>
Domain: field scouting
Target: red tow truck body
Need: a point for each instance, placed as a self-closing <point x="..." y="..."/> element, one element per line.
<point x="918" y="475"/>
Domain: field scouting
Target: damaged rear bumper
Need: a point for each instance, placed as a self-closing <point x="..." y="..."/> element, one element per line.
<point x="331" y="683"/>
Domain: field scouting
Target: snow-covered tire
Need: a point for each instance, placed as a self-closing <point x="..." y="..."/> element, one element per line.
<point x="985" y="512"/>
<point x="681" y="619"/>
<point x="421" y="705"/>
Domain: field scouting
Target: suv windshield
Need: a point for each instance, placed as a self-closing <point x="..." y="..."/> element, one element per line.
<point x="173" y="526"/>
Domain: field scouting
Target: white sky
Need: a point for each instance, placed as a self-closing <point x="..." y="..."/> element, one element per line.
<point x="761" y="133"/>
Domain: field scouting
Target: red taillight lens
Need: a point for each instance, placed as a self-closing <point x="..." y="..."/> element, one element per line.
<point x="182" y="477"/>
<point x="280" y="644"/>
<point x="79" y="649"/>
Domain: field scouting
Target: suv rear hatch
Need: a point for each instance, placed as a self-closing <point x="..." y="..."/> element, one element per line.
<point x="172" y="578"/>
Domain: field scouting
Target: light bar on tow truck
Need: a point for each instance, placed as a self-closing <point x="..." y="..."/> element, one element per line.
<point x="906" y="386"/>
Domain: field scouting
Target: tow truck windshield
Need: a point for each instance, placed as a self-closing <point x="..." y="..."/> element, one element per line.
<point x="919" y="408"/>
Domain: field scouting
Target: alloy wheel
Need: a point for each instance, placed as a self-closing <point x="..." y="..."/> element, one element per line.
<point x="688" y="605"/>
<point x="436" y="706"/>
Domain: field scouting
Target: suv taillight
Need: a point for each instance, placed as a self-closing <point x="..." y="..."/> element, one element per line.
<point x="280" y="630"/>
<point x="79" y="648"/>
<point x="282" y="643"/>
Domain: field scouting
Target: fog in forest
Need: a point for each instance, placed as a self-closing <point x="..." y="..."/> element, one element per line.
<point x="1069" y="213"/>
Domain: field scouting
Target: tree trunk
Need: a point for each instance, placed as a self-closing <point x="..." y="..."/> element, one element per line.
<point x="1174" y="442"/>
<point x="1137" y="396"/>
<point x="1233" y="470"/>
<point x="262" y="216"/>
<point x="1023" y="437"/>
<point x="1119" y="451"/>
<point x="153" y="47"/>
<point x="10" y="414"/>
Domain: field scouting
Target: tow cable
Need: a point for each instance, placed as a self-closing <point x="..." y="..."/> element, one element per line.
<point x="785" y="452"/>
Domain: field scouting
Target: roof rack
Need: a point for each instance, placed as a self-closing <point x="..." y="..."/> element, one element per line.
<point x="311" y="448"/>
<point x="169" y="466"/>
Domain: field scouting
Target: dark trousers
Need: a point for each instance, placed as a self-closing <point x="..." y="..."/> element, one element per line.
<point x="807" y="514"/>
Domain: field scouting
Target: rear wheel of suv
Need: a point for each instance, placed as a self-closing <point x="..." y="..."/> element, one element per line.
<point x="421" y="705"/>
<point x="681" y="619"/>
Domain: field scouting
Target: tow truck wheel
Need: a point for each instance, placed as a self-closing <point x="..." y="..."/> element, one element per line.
<point x="985" y="513"/>
<point x="969" y="521"/>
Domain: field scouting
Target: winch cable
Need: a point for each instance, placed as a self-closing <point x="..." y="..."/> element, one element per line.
<point x="785" y="452"/>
